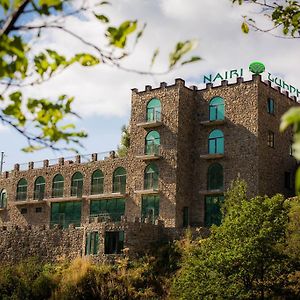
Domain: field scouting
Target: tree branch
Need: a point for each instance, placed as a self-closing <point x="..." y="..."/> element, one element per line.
<point x="12" y="19"/>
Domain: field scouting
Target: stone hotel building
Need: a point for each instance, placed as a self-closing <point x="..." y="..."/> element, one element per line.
<point x="187" y="145"/>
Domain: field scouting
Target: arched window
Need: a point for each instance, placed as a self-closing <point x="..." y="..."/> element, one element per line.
<point x="216" y="109"/>
<point x="119" y="180"/>
<point x="22" y="189"/>
<point x="97" y="182"/>
<point x="215" y="177"/>
<point x="216" y="142"/>
<point x="153" y="110"/>
<point x="58" y="186"/>
<point x="152" y="143"/>
<point x="39" y="188"/>
<point x="151" y="177"/>
<point x="3" y="198"/>
<point x="77" y="184"/>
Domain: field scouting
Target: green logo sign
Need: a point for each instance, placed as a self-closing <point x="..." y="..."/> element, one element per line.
<point x="257" y="67"/>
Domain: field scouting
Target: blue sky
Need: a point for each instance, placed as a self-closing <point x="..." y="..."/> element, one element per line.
<point x="103" y="94"/>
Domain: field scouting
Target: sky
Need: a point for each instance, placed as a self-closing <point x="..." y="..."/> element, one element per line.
<point x="103" y="94"/>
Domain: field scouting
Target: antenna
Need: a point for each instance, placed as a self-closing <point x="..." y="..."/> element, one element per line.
<point x="1" y="161"/>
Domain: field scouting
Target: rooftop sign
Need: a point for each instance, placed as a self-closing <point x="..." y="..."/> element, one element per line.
<point x="255" y="68"/>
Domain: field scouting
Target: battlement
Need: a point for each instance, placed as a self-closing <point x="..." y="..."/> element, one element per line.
<point x="224" y="83"/>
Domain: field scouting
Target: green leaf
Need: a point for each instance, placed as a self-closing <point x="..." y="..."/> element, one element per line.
<point x="102" y="18"/>
<point x="245" y="27"/>
<point x="154" y="56"/>
<point x="297" y="183"/>
<point x="86" y="60"/>
<point x="181" y="49"/>
<point x="192" y="59"/>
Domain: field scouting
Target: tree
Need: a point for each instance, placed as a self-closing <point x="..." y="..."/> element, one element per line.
<point x="245" y="257"/>
<point x="43" y="122"/>
<point x="283" y="15"/>
<point x="125" y="142"/>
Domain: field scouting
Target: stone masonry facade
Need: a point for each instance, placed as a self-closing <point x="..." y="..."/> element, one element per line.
<point x="184" y="153"/>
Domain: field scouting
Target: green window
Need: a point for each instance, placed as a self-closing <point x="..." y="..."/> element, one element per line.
<point x="216" y="109"/>
<point x="66" y="213"/>
<point x="271" y="106"/>
<point x="97" y="182"/>
<point x="39" y="188"/>
<point x="113" y="242"/>
<point x="91" y="243"/>
<point x="151" y="177"/>
<point x="58" y="186"/>
<point x="77" y="185"/>
<point x="3" y="198"/>
<point x="215" y="177"/>
<point x="119" y="181"/>
<point x="185" y="217"/>
<point x="153" y="110"/>
<point x="216" y="142"/>
<point x="152" y="143"/>
<point x="22" y="189"/>
<point x="150" y="207"/>
<point x="213" y="210"/>
<point x="110" y="209"/>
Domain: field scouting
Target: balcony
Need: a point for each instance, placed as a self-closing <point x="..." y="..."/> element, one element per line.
<point x="213" y="122"/>
<point x="212" y="192"/>
<point x="153" y="120"/>
<point x="212" y="156"/>
<point x="152" y="152"/>
<point x="106" y="217"/>
<point x="149" y="186"/>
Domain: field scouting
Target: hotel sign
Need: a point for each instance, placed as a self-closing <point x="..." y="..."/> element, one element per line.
<point x="255" y="68"/>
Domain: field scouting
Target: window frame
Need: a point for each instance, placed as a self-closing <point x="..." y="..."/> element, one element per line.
<point x="216" y="110"/>
<point x="77" y="184"/>
<point x="21" y="193"/>
<point x="271" y="106"/>
<point x="58" y="186"/>
<point x="213" y="142"/>
<point x="213" y="183"/>
<point x="97" y="183"/>
<point x="153" y="111"/>
<point x="119" y="180"/>
<point x="39" y="188"/>
<point x="152" y="143"/>
<point x="151" y="177"/>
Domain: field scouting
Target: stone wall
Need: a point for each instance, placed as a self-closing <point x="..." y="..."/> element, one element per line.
<point x="18" y="243"/>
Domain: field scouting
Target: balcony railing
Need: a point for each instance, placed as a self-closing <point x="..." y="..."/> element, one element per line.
<point x="21" y="196"/>
<point x="76" y="191"/>
<point x="152" y="149"/>
<point x="57" y="193"/>
<point x="119" y="187"/>
<point x="106" y="217"/>
<point x="39" y="195"/>
<point x="96" y="189"/>
<point x="153" y="116"/>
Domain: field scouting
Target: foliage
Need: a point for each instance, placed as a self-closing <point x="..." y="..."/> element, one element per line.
<point x="147" y="277"/>
<point x="28" y="281"/>
<point x="125" y="142"/>
<point x="43" y="122"/>
<point x="283" y="14"/>
<point x="245" y="257"/>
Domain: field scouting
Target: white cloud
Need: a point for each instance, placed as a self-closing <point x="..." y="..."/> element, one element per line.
<point x="104" y="91"/>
